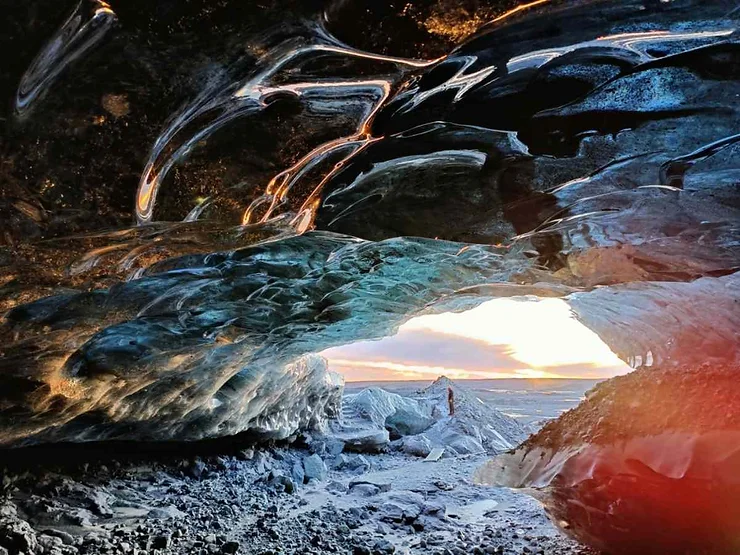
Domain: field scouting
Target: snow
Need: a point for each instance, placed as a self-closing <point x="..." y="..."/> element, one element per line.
<point x="422" y="422"/>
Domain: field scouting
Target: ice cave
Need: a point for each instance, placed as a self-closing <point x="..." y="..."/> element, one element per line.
<point x="226" y="224"/>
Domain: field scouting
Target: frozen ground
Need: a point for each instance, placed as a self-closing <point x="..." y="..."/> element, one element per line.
<point x="303" y="497"/>
<point x="528" y="401"/>
<point x="250" y="503"/>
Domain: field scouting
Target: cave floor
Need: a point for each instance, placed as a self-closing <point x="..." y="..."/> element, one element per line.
<point x="252" y="502"/>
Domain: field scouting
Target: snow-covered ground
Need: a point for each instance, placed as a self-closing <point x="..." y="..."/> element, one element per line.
<point x="304" y="497"/>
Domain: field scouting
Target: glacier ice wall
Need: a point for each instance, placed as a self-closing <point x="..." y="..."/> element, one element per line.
<point x="188" y="353"/>
<point x="300" y="182"/>
<point x="648" y="463"/>
<point x="666" y="323"/>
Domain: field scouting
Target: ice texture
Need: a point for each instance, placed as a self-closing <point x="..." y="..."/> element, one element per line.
<point x="492" y="430"/>
<point x="647" y="464"/>
<point x="202" y="348"/>
<point x="666" y="324"/>
<point x="372" y="418"/>
<point x="295" y="193"/>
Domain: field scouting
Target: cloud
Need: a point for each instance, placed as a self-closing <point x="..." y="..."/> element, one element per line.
<point x="425" y="354"/>
<point x="503" y="338"/>
<point x="430" y="349"/>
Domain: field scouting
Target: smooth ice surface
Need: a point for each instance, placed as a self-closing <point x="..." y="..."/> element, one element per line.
<point x="648" y="463"/>
<point x="666" y="324"/>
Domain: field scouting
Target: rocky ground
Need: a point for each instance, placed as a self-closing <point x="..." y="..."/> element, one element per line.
<point x="280" y="499"/>
<point x="389" y="474"/>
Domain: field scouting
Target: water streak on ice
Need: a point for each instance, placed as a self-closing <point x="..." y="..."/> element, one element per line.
<point x="84" y="29"/>
<point x="214" y="109"/>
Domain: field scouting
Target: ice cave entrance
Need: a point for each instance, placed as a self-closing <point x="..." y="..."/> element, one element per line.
<point x="520" y="337"/>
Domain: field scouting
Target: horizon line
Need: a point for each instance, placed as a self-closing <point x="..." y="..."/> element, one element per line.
<point x="479" y="379"/>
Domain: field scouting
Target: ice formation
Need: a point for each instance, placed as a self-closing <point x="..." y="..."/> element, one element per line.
<point x="372" y="418"/>
<point x="183" y="353"/>
<point x="301" y="182"/>
<point x="647" y="464"/>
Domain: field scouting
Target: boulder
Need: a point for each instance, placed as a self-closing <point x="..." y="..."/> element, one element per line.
<point x="314" y="468"/>
<point x="297" y="472"/>
<point x="417" y="446"/>
<point x="399" y="415"/>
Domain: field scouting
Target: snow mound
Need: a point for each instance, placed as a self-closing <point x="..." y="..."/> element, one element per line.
<point x="372" y="418"/>
<point x="489" y="428"/>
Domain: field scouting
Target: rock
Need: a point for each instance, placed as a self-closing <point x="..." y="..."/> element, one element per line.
<point x="78" y="517"/>
<point x="50" y="544"/>
<point x="340" y="461"/>
<point x="358" y="464"/>
<point x="383" y="547"/>
<point x="437" y="510"/>
<point x="196" y="468"/>
<point x="297" y="473"/>
<point x="444" y="486"/>
<point x="246" y="454"/>
<point x="318" y="448"/>
<point x="361" y="440"/>
<point x="401" y="506"/>
<point x="338" y="487"/>
<point x="364" y="490"/>
<point x="407" y="421"/>
<point x="161" y="541"/>
<point x="381" y="485"/>
<point x="230" y="547"/>
<point x="66" y="538"/>
<point x="314" y="468"/>
<point x="333" y="446"/>
<point x="170" y="511"/>
<point x="18" y="535"/>
<point x="279" y="480"/>
<point x="463" y="445"/>
<point x="263" y="462"/>
<point x="417" y="446"/>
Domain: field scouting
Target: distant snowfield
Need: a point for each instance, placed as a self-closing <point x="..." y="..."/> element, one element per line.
<point x="528" y="401"/>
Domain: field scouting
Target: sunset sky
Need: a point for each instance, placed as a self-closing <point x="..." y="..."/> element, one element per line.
<point x="504" y="338"/>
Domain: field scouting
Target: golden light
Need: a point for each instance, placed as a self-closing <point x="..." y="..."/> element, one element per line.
<point x="540" y="339"/>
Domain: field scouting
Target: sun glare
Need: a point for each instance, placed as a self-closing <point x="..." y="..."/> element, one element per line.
<point x="541" y="333"/>
<point x="503" y="338"/>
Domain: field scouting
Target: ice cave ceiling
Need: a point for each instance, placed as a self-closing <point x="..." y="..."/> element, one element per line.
<point x="198" y="196"/>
